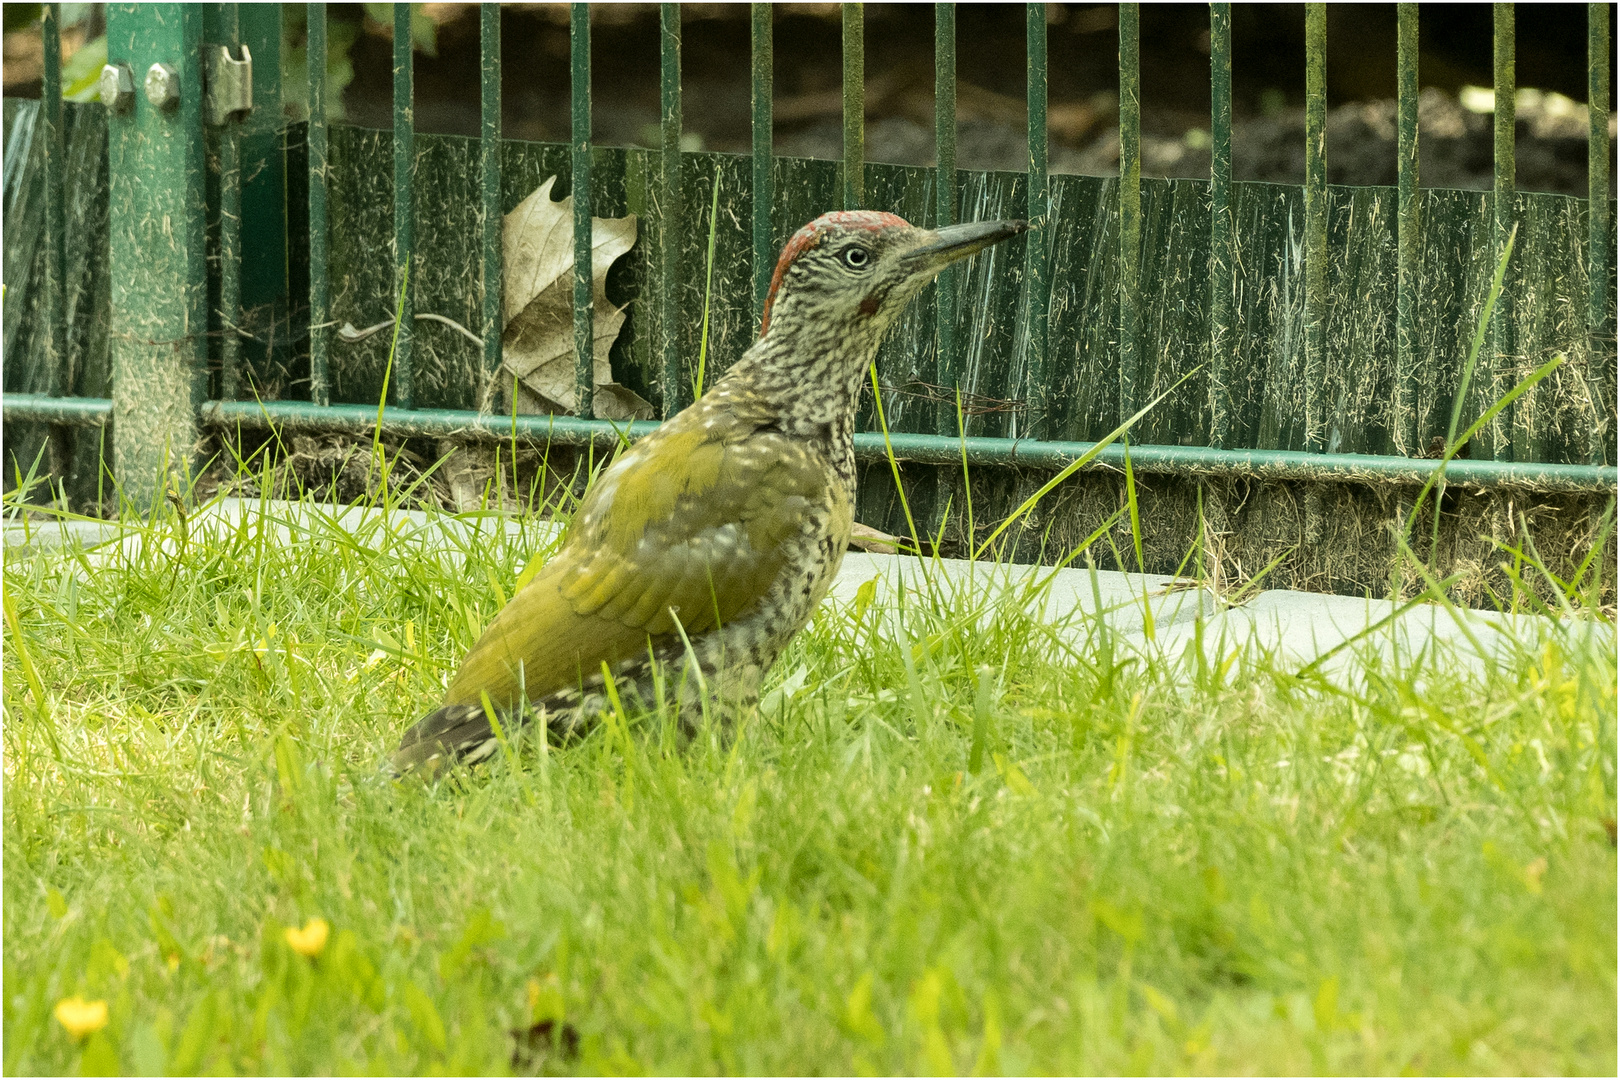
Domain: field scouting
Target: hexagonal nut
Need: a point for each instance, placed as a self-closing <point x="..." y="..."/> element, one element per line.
<point x="162" y="86"/>
<point x="117" y="87"/>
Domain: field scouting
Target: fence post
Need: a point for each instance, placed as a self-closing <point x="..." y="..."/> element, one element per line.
<point x="155" y="246"/>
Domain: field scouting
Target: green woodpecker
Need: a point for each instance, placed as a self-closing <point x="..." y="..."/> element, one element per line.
<point x="706" y="546"/>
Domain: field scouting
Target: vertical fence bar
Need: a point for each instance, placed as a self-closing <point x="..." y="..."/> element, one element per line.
<point x="1600" y="267"/>
<point x="50" y="111"/>
<point x="760" y="78"/>
<point x="1502" y="427"/>
<point x="266" y="297"/>
<point x="947" y="362"/>
<point x="1404" y="430"/>
<point x="1220" y="224"/>
<point x="1036" y="240"/>
<point x="404" y="207"/>
<point x="669" y="207"/>
<point x="55" y="307"/>
<point x="579" y="63"/>
<point x="230" y="230"/>
<point x="1316" y="224"/>
<point x="854" y="106"/>
<point x="320" y="298"/>
<point x="489" y="168"/>
<point x="1130" y="204"/>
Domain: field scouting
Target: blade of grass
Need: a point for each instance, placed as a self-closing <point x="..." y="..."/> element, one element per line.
<point x="1438" y="476"/>
<point x="1130" y="502"/>
<point x="1077" y="464"/>
<point x="708" y="285"/>
<point x="1453" y="445"/>
<point x="894" y="466"/>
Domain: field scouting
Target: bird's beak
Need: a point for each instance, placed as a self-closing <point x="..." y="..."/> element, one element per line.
<point x="959" y="241"/>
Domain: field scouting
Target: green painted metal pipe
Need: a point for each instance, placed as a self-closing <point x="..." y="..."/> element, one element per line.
<point x="320" y="281"/>
<point x="489" y="175"/>
<point x="1037" y="271"/>
<point x="676" y="391"/>
<point x="854" y="106"/>
<point x="1503" y="427"/>
<point x="1409" y="238"/>
<point x="947" y="358"/>
<point x="1599" y="256"/>
<point x="361" y="420"/>
<point x="934" y="449"/>
<point x="157" y="250"/>
<point x="47" y="409"/>
<point x="764" y="196"/>
<point x="579" y="65"/>
<point x="1316" y="223"/>
<point x="1220" y="224"/>
<point x="1130" y="207"/>
<point x="404" y="374"/>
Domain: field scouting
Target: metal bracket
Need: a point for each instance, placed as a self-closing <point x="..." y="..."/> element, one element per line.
<point x="227" y="85"/>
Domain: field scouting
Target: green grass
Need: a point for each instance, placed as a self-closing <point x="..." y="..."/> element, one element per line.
<point x="952" y="842"/>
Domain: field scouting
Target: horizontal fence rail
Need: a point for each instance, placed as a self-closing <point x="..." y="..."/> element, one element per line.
<point x="361" y="421"/>
<point x="1030" y="364"/>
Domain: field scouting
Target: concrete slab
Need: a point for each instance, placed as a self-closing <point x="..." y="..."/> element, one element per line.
<point x="1063" y="597"/>
<point x="1295" y="628"/>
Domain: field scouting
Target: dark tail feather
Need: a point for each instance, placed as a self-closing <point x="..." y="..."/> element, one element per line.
<point x="455" y="734"/>
<point x="461" y="735"/>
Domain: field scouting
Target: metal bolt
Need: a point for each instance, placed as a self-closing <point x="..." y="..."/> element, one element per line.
<point x="117" y="87"/>
<point x="162" y="86"/>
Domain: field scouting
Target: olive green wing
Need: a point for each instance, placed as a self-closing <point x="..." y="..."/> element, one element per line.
<point x="693" y="526"/>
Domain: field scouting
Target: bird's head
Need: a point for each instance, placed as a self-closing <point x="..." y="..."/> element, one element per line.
<point x="851" y="273"/>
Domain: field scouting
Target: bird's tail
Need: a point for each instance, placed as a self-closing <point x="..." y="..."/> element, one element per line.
<point x="455" y="734"/>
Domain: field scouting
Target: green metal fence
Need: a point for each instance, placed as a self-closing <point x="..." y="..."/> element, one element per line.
<point x="1330" y="322"/>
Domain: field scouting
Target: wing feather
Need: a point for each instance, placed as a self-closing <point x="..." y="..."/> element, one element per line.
<point x="706" y="548"/>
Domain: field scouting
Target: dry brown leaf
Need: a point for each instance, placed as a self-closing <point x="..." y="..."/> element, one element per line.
<point x="537" y="344"/>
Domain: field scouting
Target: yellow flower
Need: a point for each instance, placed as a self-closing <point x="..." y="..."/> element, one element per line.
<point x="81" y="1017"/>
<point x="311" y="939"/>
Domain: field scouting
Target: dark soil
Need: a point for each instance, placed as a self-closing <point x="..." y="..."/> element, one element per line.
<point x="1268" y="85"/>
<point x="1268" y="76"/>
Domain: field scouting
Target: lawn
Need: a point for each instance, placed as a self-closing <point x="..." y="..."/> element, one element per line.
<point x="949" y="841"/>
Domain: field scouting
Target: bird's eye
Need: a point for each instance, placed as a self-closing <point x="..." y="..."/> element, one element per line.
<point x="856" y="258"/>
